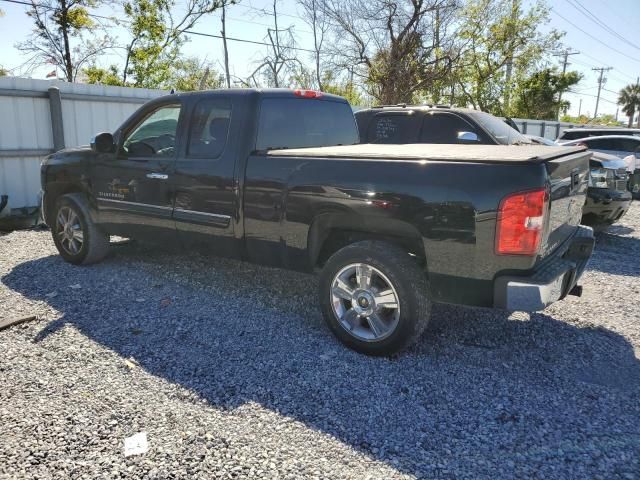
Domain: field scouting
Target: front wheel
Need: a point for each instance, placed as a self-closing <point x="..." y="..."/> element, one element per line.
<point x="374" y="297"/>
<point x="77" y="238"/>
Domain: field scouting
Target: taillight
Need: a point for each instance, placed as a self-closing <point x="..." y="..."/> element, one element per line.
<point x="521" y="222"/>
<point x="307" y="93"/>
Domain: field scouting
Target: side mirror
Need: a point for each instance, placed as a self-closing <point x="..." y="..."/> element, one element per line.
<point x="103" y="143"/>
<point x="468" y="137"/>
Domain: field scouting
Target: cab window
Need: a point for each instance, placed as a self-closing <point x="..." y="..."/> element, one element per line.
<point x="155" y="136"/>
<point x="209" y="128"/>
<point x="300" y="123"/>
<point x="444" y="128"/>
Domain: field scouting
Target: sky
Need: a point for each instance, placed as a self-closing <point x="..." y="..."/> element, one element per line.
<point x="597" y="46"/>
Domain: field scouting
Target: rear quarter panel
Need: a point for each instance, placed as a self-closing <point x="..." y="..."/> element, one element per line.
<point x="449" y="207"/>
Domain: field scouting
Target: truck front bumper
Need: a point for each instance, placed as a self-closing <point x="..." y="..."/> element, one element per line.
<point x="552" y="279"/>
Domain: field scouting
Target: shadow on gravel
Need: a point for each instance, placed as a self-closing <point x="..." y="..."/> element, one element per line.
<point x="610" y="247"/>
<point x="482" y="392"/>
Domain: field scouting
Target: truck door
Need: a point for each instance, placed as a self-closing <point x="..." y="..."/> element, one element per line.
<point x="133" y="186"/>
<point x="206" y="199"/>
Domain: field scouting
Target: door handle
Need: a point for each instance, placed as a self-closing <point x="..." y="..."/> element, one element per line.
<point x="158" y="176"/>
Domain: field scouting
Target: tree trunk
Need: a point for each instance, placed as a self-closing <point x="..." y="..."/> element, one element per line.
<point x="630" y="124"/>
<point x="64" y="26"/>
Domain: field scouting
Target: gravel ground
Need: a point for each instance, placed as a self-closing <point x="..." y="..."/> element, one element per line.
<point x="232" y="373"/>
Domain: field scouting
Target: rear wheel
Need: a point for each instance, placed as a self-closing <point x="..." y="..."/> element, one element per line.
<point x="76" y="237"/>
<point x="374" y="297"/>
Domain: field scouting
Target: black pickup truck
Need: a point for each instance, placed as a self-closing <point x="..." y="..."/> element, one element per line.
<point x="276" y="177"/>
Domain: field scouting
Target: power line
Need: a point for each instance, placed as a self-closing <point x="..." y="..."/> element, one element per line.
<point x="594" y="38"/>
<point x="587" y="13"/>
<point x="188" y="31"/>
<point x="591" y="95"/>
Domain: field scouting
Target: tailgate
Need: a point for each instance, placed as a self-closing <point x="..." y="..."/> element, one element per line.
<point x="569" y="177"/>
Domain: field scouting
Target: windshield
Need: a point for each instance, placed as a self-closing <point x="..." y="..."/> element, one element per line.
<point x="503" y="133"/>
<point x="300" y="123"/>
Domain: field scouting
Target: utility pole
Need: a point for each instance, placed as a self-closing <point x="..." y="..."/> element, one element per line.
<point x="580" y="108"/>
<point x="565" y="63"/>
<point x="224" y="44"/>
<point x="601" y="81"/>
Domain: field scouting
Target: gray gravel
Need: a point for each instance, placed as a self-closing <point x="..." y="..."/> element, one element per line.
<point x="230" y="370"/>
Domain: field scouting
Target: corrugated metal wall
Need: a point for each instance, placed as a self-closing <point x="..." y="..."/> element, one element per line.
<point x="26" y="131"/>
<point x="543" y="128"/>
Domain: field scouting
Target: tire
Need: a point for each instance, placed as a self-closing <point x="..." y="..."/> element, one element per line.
<point x="368" y="323"/>
<point x="77" y="238"/>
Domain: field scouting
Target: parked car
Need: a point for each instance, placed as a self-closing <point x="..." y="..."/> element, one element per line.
<point x="578" y="133"/>
<point x="401" y="124"/>
<point x="625" y="147"/>
<point x="608" y="197"/>
<point x="618" y="145"/>
<point x="605" y="202"/>
<point x="274" y="177"/>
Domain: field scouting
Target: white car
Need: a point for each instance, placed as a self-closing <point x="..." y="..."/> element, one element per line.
<point x="621" y="146"/>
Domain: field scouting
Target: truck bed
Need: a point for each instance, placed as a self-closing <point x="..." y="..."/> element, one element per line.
<point x="437" y="152"/>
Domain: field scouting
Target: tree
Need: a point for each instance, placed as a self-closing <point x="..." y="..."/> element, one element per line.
<point x="388" y="45"/>
<point x="314" y="17"/>
<point x="280" y="64"/>
<point x="501" y="44"/>
<point x="538" y="96"/>
<point x="629" y="99"/>
<point x="192" y="74"/>
<point x="582" y="119"/>
<point x="157" y="36"/>
<point x="102" y="76"/>
<point x="63" y="35"/>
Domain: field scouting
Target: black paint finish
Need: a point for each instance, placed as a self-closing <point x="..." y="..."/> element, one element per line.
<point x="290" y="211"/>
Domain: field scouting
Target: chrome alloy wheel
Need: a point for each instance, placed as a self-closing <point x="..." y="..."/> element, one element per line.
<point x="365" y="302"/>
<point x="69" y="230"/>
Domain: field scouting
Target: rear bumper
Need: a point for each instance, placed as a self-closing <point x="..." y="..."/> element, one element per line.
<point x="605" y="206"/>
<point x="552" y="280"/>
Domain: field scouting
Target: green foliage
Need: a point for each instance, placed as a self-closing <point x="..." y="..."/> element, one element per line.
<point x="629" y="99"/>
<point x="498" y="36"/>
<point x="190" y="74"/>
<point x="538" y="96"/>
<point x="581" y="120"/>
<point x="347" y="90"/>
<point x="64" y="35"/>
<point x="184" y="74"/>
<point x="606" y="119"/>
<point x="153" y="47"/>
<point x="102" y="76"/>
<point x="153" y="54"/>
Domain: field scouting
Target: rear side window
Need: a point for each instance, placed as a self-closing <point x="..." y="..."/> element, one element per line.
<point x="444" y="128"/>
<point x="573" y="135"/>
<point x="300" y="123"/>
<point x="627" y="144"/>
<point x="393" y="128"/>
<point x="209" y="128"/>
<point x="600" y="143"/>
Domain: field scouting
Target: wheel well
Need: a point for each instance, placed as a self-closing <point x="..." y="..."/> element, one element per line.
<point x="54" y="192"/>
<point x="340" y="238"/>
